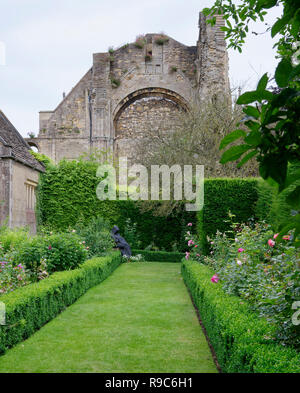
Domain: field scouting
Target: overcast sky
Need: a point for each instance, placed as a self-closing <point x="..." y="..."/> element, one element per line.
<point x="49" y="46"/>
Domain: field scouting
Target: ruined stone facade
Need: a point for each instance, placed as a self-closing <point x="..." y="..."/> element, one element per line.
<point x="133" y="87"/>
<point x="19" y="176"/>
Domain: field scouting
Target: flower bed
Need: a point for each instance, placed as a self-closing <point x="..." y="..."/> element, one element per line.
<point x="252" y="263"/>
<point x="30" y="307"/>
<point x="243" y="342"/>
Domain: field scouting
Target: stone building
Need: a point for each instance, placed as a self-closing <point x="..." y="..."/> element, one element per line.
<point x="19" y="175"/>
<point x="134" y="87"/>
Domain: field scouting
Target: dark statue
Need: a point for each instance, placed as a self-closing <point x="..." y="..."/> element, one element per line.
<point x="121" y="243"/>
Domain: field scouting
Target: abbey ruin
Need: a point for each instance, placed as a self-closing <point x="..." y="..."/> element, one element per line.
<point x="130" y="87"/>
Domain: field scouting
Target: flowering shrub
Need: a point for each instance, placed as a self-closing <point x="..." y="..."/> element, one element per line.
<point x="11" y="277"/>
<point x="262" y="270"/>
<point x="63" y="251"/>
<point x="194" y="250"/>
<point x="25" y="259"/>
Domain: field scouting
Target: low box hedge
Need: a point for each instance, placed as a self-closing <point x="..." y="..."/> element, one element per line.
<point x="159" y="256"/>
<point x="242" y="341"/>
<point x="30" y="307"/>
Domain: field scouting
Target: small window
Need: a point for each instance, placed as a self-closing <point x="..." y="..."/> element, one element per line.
<point x="30" y="194"/>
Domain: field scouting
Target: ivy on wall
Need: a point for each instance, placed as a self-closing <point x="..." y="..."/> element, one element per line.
<point x="67" y="195"/>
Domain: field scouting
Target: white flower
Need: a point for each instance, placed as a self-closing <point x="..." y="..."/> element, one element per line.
<point x="239" y="262"/>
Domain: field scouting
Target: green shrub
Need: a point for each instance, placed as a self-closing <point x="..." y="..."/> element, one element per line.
<point x="62" y="251"/>
<point x="96" y="235"/>
<point x="12" y="238"/>
<point x="266" y="194"/>
<point x="271" y="206"/>
<point x="30" y="307"/>
<point x="159" y="256"/>
<point x="221" y="196"/>
<point x="243" y="342"/>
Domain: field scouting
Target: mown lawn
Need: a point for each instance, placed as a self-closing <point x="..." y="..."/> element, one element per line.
<point x="140" y="319"/>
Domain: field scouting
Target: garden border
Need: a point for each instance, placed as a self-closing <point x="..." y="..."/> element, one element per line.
<point x="241" y="340"/>
<point x="32" y="306"/>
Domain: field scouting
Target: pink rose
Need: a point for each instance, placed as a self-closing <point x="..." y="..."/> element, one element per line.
<point x="190" y="242"/>
<point x="214" y="278"/>
<point x="187" y="255"/>
<point x="271" y="243"/>
<point x="286" y="237"/>
<point x="276" y="234"/>
<point x="241" y="250"/>
<point x="189" y="224"/>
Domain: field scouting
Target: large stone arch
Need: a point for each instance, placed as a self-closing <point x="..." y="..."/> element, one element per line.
<point x="141" y="111"/>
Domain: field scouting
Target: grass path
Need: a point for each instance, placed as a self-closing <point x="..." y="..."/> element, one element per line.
<point x="140" y="319"/>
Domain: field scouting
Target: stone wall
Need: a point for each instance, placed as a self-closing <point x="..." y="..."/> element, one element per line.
<point x="5" y="176"/>
<point x="144" y="117"/>
<point x="24" y="180"/>
<point x="95" y="112"/>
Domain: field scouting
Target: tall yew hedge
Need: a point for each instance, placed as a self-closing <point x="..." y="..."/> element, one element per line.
<point x="239" y="196"/>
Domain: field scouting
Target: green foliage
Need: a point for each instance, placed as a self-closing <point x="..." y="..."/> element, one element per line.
<point x="273" y="125"/>
<point x="159" y="256"/>
<point x="266" y="193"/>
<point x="67" y="195"/>
<point x="30" y="307"/>
<point x="115" y="82"/>
<point x="161" y="39"/>
<point x="272" y="206"/>
<point x="131" y="234"/>
<point x="140" y="41"/>
<point x="237" y="196"/>
<point x="42" y="158"/>
<point x="63" y="251"/>
<point x="96" y="235"/>
<point x="242" y="341"/>
<point x="12" y="238"/>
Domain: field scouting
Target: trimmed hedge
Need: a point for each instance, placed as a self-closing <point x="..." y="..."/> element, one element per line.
<point x="242" y="341"/>
<point x="67" y="195"/>
<point x="30" y="307"/>
<point x="221" y="196"/>
<point x="159" y="256"/>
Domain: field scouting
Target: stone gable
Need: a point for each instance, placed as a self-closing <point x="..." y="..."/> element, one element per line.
<point x="131" y="88"/>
